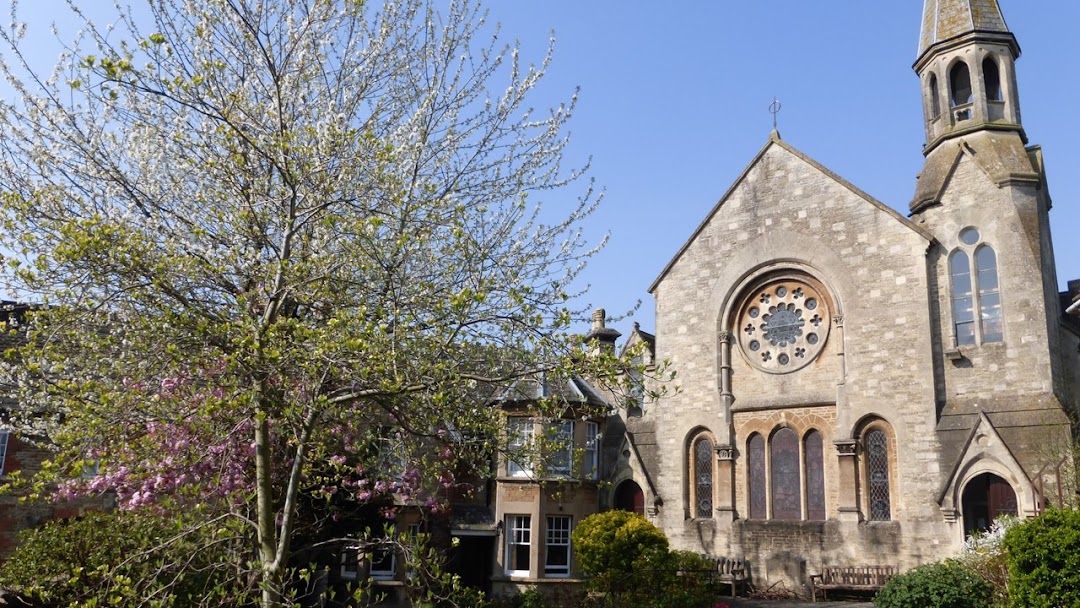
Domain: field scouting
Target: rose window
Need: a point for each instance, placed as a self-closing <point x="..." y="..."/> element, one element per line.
<point x="783" y="325"/>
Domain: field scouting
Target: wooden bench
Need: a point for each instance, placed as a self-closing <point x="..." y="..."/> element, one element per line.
<point x="730" y="571"/>
<point x="724" y="571"/>
<point x="851" y="578"/>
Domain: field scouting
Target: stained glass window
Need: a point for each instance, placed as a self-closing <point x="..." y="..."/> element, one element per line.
<point x="877" y="470"/>
<point x="815" y="476"/>
<point x="786" y="485"/>
<point x="755" y="449"/>
<point x="703" y="478"/>
<point x="783" y="325"/>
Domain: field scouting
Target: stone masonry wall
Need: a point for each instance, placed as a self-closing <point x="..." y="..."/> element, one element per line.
<point x="788" y="213"/>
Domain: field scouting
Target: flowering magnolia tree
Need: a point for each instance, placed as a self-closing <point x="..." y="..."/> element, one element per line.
<point x="270" y="237"/>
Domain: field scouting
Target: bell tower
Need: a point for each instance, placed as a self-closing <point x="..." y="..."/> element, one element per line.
<point x="966" y="67"/>
<point x="982" y="194"/>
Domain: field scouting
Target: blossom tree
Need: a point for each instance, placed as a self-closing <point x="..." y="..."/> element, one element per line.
<point x="266" y="235"/>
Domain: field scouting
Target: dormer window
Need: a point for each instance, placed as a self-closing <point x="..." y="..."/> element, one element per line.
<point x="992" y="79"/>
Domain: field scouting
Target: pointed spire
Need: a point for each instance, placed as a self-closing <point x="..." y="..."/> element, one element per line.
<point x="947" y="19"/>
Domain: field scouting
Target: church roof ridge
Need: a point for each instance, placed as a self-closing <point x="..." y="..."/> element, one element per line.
<point x="945" y="20"/>
<point x="774" y="140"/>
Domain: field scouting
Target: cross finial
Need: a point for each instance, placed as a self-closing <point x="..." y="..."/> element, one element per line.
<point x="774" y="109"/>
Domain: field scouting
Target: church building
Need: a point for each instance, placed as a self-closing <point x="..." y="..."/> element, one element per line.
<point x="859" y="386"/>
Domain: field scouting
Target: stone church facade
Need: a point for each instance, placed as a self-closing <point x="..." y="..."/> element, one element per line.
<point x="860" y="387"/>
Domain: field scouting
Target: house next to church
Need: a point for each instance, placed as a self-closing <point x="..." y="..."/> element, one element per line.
<point x="859" y="387"/>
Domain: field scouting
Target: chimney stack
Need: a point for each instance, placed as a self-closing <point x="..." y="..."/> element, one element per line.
<point x="602" y="338"/>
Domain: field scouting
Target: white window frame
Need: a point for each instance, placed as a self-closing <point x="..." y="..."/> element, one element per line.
<point x="558" y="532"/>
<point x="413" y="531"/>
<point x="562" y="453"/>
<point x="383" y="547"/>
<point x="520" y="432"/>
<point x="591" y="455"/>
<point x="350" y="561"/>
<point x="518" y="533"/>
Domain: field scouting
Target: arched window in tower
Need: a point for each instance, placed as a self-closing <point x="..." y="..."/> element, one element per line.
<point x="989" y="296"/>
<point x="991" y="79"/>
<point x="702" y="471"/>
<point x="960" y="89"/>
<point x="786" y="486"/>
<point x="976" y="294"/>
<point x="815" y="476"/>
<point x="963" y="309"/>
<point x="935" y="98"/>
<point x="877" y="474"/>
<point x="755" y="456"/>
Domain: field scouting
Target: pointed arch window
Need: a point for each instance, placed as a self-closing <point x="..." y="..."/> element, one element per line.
<point x="814" y="467"/>
<point x="989" y="296"/>
<point x="786" y="485"/>
<point x="974" y="287"/>
<point x="786" y="475"/>
<point x="962" y="300"/>
<point x="991" y="79"/>
<point x="935" y="98"/>
<point x="960" y="84"/>
<point x="755" y="456"/>
<point x="701" y="471"/>
<point x="877" y="474"/>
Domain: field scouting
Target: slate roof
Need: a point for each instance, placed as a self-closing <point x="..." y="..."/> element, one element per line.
<point x="571" y="390"/>
<point x="947" y="19"/>
<point x="1004" y="159"/>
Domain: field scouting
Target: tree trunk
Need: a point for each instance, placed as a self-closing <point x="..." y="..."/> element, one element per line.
<point x="269" y="562"/>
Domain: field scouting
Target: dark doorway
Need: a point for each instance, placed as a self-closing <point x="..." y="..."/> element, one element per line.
<point x="986" y="498"/>
<point x="629" y="497"/>
<point x="472" y="560"/>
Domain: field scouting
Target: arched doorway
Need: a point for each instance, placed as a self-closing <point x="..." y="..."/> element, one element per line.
<point x="986" y="498"/>
<point x="629" y="497"/>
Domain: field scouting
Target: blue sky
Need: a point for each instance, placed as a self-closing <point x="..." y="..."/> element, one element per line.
<point x="674" y="104"/>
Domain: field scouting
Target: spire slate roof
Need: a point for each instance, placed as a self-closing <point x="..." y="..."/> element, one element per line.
<point x="947" y="19"/>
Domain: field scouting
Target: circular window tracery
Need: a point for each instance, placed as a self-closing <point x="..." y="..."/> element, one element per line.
<point x="783" y="324"/>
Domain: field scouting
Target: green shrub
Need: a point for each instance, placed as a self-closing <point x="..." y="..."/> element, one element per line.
<point x="984" y="555"/>
<point x="614" y="546"/>
<point x="531" y="598"/>
<point x="944" y="584"/>
<point x="122" y="557"/>
<point x="1044" y="560"/>
<point x="690" y="561"/>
